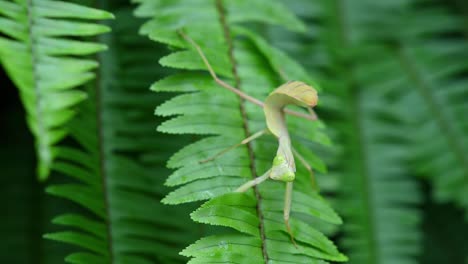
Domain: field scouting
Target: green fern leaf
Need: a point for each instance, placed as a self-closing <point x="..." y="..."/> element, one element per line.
<point x="210" y="110"/>
<point x="438" y="90"/>
<point x="379" y="200"/>
<point x="36" y="51"/>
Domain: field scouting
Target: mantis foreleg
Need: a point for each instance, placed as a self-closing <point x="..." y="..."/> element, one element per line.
<point x="253" y="182"/>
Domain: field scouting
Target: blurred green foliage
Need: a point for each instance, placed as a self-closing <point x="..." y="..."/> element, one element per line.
<point x="394" y="98"/>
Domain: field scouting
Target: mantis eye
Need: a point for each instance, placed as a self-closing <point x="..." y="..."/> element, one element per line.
<point x="281" y="171"/>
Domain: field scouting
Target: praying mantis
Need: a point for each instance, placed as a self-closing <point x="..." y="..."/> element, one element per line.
<point x="283" y="167"/>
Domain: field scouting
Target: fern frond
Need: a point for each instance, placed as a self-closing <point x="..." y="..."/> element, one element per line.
<point x="377" y="196"/>
<point x="115" y="165"/>
<point x="431" y="66"/>
<point x="245" y="60"/>
<point x="379" y="199"/>
<point x="42" y="49"/>
<point x="424" y="69"/>
<point x="441" y="117"/>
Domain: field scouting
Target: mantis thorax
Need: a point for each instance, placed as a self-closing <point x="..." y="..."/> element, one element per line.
<point x="281" y="169"/>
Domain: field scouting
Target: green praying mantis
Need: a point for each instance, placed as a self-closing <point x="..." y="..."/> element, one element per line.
<point x="283" y="167"/>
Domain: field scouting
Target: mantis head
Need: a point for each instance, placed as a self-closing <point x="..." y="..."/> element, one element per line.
<point x="282" y="170"/>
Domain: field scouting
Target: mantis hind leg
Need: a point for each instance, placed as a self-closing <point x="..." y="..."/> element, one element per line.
<point x="308" y="168"/>
<point x="287" y="209"/>
<point x="287" y="199"/>
<point x="243" y="142"/>
<point x="234" y="89"/>
<point x="215" y="77"/>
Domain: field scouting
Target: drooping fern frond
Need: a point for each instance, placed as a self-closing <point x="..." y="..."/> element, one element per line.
<point x="423" y="69"/>
<point x="377" y="196"/>
<point x="243" y="59"/>
<point x="42" y="49"/>
<point x="116" y="166"/>
<point x="431" y="66"/>
<point x="420" y="68"/>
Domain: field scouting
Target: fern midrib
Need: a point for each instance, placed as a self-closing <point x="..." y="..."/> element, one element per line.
<point x="227" y="35"/>
<point x="425" y="89"/>
<point x="100" y="85"/>
<point x="357" y="122"/>
<point x="37" y="91"/>
<point x="359" y="139"/>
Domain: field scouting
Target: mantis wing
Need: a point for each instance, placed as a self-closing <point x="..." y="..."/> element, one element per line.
<point x="294" y="92"/>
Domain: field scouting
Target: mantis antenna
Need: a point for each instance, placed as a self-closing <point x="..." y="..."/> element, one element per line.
<point x="283" y="167"/>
